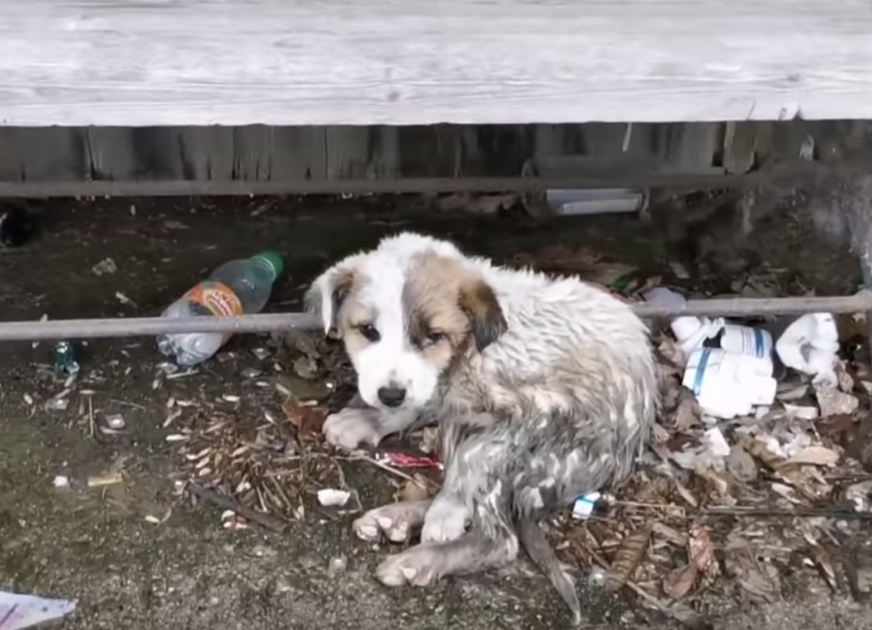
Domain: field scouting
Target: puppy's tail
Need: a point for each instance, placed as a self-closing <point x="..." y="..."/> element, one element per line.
<point x="533" y="539"/>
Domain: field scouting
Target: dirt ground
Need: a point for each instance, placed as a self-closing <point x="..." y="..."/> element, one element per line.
<point x="138" y="554"/>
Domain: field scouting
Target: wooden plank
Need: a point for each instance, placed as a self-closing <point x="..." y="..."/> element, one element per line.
<point x="420" y="62"/>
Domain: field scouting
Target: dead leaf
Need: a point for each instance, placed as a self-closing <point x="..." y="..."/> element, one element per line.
<point x="741" y="465"/>
<point x="685" y="494"/>
<point x="306" y="367"/>
<point x="628" y="557"/>
<point x="306" y="419"/>
<point x="700" y="549"/>
<point x="758" y="449"/>
<point x="414" y="489"/>
<point x="678" y="582"/>
<point x="760" y="581"/>
<point x="833" y="402"/>
<point x="672" y="353"/>
<point x="814" y="456"/>
<point x="687" y="415"/>
<point x="823" y="562"/>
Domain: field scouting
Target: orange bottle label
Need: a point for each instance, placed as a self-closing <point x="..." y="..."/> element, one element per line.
<point x="217" y="298"/>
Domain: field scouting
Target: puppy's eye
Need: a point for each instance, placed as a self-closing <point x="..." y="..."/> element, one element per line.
<point x="435" y="337"/>
<point x="369" y="332"/>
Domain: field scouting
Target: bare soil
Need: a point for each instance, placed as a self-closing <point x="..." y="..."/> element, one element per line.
<point x="101" y="545"/>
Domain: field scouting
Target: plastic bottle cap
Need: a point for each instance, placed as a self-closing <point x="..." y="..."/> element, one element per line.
<point x="273" y="260"/>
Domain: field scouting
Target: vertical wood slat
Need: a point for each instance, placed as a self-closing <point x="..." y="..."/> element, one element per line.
<point x="263" y="153"/>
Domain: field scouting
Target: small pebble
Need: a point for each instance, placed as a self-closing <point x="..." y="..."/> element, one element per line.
<point x="336" y="566"/>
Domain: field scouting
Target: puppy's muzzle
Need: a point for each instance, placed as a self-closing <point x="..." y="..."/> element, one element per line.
<point x="391" y="396"/>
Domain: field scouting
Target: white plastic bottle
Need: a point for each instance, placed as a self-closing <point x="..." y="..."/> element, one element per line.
<point x="694" y="332"/>
<point x="727" y="384"/>
<point x="810" y="345"/>
<point x="235" y="288"/>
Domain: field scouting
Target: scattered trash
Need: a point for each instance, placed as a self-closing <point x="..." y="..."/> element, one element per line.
<point x="336" y="566"/>
<point x="109" y="479"/>
<point x="628" y="557"/>
<point x="25" y="611"/>
<point x="403" y="460"/>
<point x="810" y="345"/>
<point x="727" y="384"/>
<point x="61" y="481"/>
<point x="261" y="353"/>
<point x="331" y="497"/>
<point x="585" y="505"/>
<point x="64" y="359"/>
<point x="105" y="266"/>
<point x="113" y="423"/>
<point x="57" y="404"/>
<point x="833" y="402"/>
<point x="414" y="489"/>
<point x="694" y="332"/>
<point x="588" y="201"/>
<point x="481" y="204"/>
<point x="126" y="301"/>
<point x="235" y="288"/>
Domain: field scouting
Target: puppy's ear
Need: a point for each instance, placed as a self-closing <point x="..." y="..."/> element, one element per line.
<point x="327" y="292"/>
<point x="479" y="302"/>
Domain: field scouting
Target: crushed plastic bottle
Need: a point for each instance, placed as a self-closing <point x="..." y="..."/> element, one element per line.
<point x="235" y="288"/>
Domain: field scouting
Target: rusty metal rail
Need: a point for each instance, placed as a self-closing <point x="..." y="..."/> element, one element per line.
<point x="151" y="326"/>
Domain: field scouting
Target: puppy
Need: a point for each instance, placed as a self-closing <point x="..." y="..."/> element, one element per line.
<point x="544" y="389"/>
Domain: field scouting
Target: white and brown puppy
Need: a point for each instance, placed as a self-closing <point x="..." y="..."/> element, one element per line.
<point x="544" y="389"/>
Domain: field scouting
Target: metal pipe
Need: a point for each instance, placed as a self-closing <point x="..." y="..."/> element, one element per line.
<point x="152" y="326"/>
<point x="183" y="188"/>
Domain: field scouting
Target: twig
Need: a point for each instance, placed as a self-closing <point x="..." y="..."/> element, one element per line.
<point x="222" y="501"/>
<point x="92" y="426"/>
<point x="390" y="469"/>
<point x="844" y="513"/>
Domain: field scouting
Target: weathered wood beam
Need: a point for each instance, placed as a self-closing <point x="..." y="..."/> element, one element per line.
<point x="370" y="62"/>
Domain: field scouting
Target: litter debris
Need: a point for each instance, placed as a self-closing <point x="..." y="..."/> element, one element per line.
<point x="414" y="489"/>
<point x="61" y="481"/>
<point x="694" y="332"/>
<point x="25" y="611"/>
<point x="403" y="460"/>
<point x="590" y="201"/>
<point x="109" y="479"/>
<point x="235" y="288"/>
<point x="331" y="497"/>
<point x="833" y="402"/>
<point x="585" y="505"/>
<point x="810" y="345"/>
<point x="727" y="384"/>
<point x="64" y="359"/>
<point x="336" y="566"/>
<point x="628" y="557"/>
<point x="105" y="266"/>
<point x="113" y="423"/>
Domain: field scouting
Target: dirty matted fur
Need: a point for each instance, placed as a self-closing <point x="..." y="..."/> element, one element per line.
<point x="544" y="389"/>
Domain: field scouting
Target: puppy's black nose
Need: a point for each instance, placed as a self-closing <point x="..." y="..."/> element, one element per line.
<point x="391" y="396"/>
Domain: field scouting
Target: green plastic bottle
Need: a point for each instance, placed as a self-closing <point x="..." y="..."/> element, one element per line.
<point x="237" y="287"/>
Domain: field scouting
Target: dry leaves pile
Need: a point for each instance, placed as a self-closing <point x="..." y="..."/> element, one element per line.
<point x="735" y="505"/>
<point x="738" y="504"/>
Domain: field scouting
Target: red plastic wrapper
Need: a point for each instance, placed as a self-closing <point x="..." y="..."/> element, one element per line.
<point x="404" y="460"/>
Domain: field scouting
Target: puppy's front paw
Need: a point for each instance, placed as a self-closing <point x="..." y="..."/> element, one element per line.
<point x="420" y="566"/>
<point x="352" y="427"/>
<point x="445" y="520"/>
<point x="396" y="521"/>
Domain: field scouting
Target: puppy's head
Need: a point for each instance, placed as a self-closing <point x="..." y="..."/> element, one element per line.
<point x="408" y="312"/>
